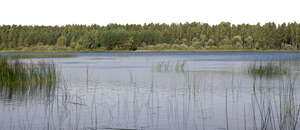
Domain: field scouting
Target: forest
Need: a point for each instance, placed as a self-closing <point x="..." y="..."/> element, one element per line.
<point x="180" y="36"/>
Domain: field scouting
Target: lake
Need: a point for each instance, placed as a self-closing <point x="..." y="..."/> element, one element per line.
<point x="176" y="91"/>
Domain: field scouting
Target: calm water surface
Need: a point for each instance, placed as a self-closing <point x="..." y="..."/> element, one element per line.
<point x="205" y="91"/>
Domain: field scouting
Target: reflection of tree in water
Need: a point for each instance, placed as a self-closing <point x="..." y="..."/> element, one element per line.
<point x="192" y="99"/>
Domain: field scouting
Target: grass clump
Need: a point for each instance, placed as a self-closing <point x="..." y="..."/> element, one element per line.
<point x="29" y="56"/>
<point x="267" y="69"/>
<point x="14" y="73"/>
<point x="166" y="66"/>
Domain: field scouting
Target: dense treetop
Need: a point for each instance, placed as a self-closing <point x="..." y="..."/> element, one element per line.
<point x="153" y="36"/>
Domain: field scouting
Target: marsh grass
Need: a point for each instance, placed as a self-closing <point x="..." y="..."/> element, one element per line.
<point x="274" y="110"/>
<point x="167" y="66"/>
<point x="30" y="56"/>
<point x="269" y="69"/>
<point x="14" y="73"/>
<point x="279" y="112"/>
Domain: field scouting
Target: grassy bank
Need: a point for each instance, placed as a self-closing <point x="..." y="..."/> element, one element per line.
<point x="28" y="56"/>
<point x="152" y="50"/>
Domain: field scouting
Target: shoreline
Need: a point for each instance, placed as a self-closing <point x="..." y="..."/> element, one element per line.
<point x="141" y="51"/>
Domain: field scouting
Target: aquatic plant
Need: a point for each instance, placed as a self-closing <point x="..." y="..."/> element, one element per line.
<point x="279" y="112"/>
<point x="14" y="73"/>
<point x="167" y="66"/>
<point x="180" y="66"/>
<point x="268" y="69"/>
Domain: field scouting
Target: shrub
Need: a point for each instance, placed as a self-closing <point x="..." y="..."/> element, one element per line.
<point x="226" y="46"/>
<point x="237" y="41"/>
<point x="211" y="42"/>
<point x="162" y="46"/>
<point x="259" y="45"/>
<point x="61" y="41"/>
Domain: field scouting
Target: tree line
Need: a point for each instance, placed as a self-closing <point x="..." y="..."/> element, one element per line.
<point x="134" y="36"/>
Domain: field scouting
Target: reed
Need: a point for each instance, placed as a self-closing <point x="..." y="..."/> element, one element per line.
<point x="167" y="66"/>
<point x="279" y="111"/>
<point x="14" y="73"/>
<point x="267" y="69"/>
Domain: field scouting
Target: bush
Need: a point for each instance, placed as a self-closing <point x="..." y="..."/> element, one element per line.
<point x="237" y="41"/>
<point x="184" y="46"/>
<point x="211" y="47"/>
<point x="2" y="46"/>
<point x="249" y="42"/>
<point x="162" y="46"/>
<point x="226" y="46"/>
<point x="61" y="41"/>
<point x="73" y="44"/>
<point x="226" y="41"/>
<point x="197" y="45"/>
<point x="258" y="46"/>
<point x="288" y="46"/>
<point x="238" y="45"/>
<point x="176" y="46"/>
<point x="177" y="41"/>
<point x="78" y="46"/>
<point x="211" y="42"/>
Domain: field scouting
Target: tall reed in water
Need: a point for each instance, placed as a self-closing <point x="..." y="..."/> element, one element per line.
<point x="279" y="111"/>
<point x="14" y="73"/>
<point x="267" y="69"/>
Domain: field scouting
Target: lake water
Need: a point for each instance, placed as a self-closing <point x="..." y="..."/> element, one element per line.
<point x="176" y="91"/>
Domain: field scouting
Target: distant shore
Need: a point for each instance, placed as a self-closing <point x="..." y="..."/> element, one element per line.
<point x="154" y="50"/>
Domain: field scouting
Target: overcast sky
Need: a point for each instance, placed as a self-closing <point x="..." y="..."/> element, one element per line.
<point x="102" y="12"/>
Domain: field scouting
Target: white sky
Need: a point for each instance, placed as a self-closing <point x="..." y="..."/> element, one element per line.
<point x="102" y="12"/>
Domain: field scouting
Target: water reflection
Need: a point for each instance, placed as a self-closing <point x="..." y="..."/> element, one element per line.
<point x="131" y="93"/>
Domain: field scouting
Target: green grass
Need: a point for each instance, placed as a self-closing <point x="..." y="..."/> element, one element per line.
<point x="14" y="73"/>
<point x="29" y="56"/>
<point x="68" y="49"/>
<point x="166" y="66"/>
<point x="267" y="69"/>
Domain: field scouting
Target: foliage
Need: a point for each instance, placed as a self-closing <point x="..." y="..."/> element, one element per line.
<point x="14" y="73"/>
<point x="267" y="69"/>
<point x="61" y="42"/>
<point x="237" y="41"/>
<point x="132" y="36"/>
<point x="25" y="56"/>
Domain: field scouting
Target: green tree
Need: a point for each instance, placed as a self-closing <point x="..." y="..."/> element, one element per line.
<point x="237" y="41"/>
<point x="61" y="41"/>
<point x="298" y="37"/>
<point x="211" y="42"/>
<point x="129" y="44"/>
<point x="249" y="42"/>
<point x="196" y="43"/>
<point x="73" y="42"/>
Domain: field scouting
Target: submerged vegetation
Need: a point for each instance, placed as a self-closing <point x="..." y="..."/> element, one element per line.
<point x="187" y="36"/>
